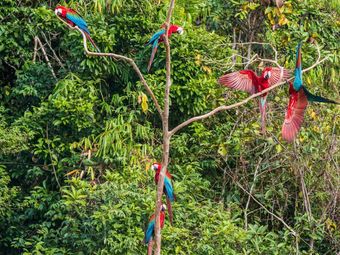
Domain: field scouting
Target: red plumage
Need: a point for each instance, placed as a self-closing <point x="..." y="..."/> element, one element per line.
<point x="159" y="37"/>
<point x="248" y="81"/>
<point x="158" y="171"/>
<point x="168" y="200"/>
<point x="73" y="18"/>
<point x="162" y="220"/>
<point x="64" y="11"/>
<point x="152" y="57"/>
<point x="294" y="115"/>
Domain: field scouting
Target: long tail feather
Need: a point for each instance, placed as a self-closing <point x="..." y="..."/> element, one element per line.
<point x="315" y="98"/>
<point x="150" y="247"/>
<point x="168" y="204"/>
<point x="263" y="105"/>
<point x="154" y="50"/>
<point x="92" y="42"/>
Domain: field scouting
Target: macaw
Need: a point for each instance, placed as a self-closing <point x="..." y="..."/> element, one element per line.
<point x="168" y="187"/>
<point x="298" y="101"/>
<point x="247" y="80"/>
<point x="148" y="239"/>
<point x="158" y="37"/>
<point x="73" y="18"/>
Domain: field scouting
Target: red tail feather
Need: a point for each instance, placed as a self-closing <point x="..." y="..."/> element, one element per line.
<point x="154" y="50"/>
<point x="92" y="42"/>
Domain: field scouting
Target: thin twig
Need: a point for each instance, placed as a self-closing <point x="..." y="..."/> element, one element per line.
<point x="251" y="43"/>
<point x="54" y="54"/>
<point x="265" y="208"/>
<point x="166" y="136"/>
<point x="50" y="153"/>
<point x="36" y="42"/>
<point x="251" y="192"/>
<point x="126" y="59"/>
<point x="228" y="107"/>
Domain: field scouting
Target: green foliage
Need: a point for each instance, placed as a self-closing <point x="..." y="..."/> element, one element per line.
<point x="90" y="131"/>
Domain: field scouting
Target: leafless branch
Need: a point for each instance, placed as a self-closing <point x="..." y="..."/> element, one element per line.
<point x="251" y="192"/>
<point x="130" y="61"/>
<point x="54" y="54"/>
<point x="166" y="136"/>
<point x="51" y="158"/>
<point x="265" y="208"/>
<point x="252" y="43"/>
<point x="36" y="43"/>
<point x="228" y="107"/>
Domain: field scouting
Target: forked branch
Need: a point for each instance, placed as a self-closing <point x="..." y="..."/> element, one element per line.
<point x="166" y="136"/>
<point x="228" y="107"/>
<point x="130" y="61"/>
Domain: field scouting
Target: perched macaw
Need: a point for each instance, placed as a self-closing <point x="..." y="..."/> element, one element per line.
<point x="73" y="18"/>
<point x="247" y="80"/>
<point x="158" y="37"/>
<point x="148" y="239"/>
<point x="298" y="101"/>
<point x="168" y="187"/>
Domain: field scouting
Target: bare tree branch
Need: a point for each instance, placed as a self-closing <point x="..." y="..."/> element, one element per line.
<point x="228" y="107"/>
<point x="166" y="136"/>
<point x="130" y="61"/>
<point x="51" y="158"/>
<point x="54" y="54"/>
<point x="36" y="42"/>
<point x="265" y="208"/>
<point x="164" y="114"/>
<point x="251" y="192"/>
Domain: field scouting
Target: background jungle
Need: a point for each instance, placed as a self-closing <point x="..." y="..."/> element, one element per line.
<point x="75" y="143"/>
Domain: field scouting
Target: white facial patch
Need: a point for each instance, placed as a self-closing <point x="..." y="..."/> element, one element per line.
<point x="58" y="11"/>
<point x="180" y="30"/>
<point x="154" y="167"/>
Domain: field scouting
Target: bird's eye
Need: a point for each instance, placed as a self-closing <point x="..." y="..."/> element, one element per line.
<point x="180" y="30"/>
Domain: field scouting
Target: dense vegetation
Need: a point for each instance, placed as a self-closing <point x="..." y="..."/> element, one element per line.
<point x="75" y="142"/>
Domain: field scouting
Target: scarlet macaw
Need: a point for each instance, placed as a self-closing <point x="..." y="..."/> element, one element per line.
<point x="148" y="239"/>
<point x="298" y="101"/>
<point x="158" y="37"/>
<point x="168" y="188"/>
<point x="247" y="80"/>
<point x="73" y="18"/>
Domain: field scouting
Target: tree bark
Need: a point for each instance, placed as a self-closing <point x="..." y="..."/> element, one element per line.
<point x="166" y="134"/>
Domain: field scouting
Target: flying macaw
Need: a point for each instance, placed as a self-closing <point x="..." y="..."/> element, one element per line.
<point x="73" y="18"/>
<point x="148" y="239"/>
<point x="168" y="188"/>
<point x="298" y="101"/>
<point x="247" y="80"/>
<point x="158" y="37"/>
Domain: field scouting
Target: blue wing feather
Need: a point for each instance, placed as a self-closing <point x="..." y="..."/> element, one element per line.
<point x="169" y="189"/>
<point x="155" y="37"/>
<point x="298" y="69"/>
<point x="76" y="19"/>
<point x="149" y="231"/>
